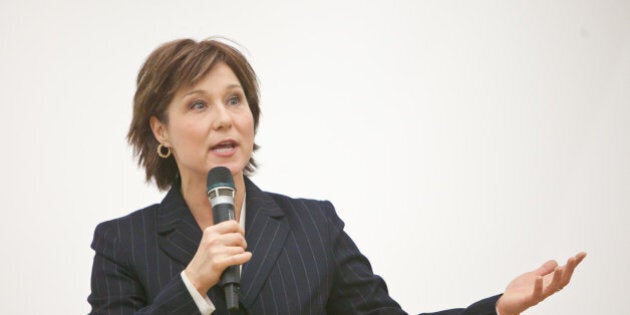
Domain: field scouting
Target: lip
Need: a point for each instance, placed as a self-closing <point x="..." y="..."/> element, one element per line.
<point x="224" y="148"/>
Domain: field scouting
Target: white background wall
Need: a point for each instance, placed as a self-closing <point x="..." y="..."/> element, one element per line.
<point x="463" y="142"/>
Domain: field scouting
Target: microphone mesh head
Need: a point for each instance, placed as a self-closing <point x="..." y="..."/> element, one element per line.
<point x="220" y="176"/>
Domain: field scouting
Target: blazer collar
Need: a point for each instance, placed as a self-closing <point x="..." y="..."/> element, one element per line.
<point x="178" y="232"/>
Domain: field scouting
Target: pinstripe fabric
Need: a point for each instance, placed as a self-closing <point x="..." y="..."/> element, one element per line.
<point x="302" y="263"/>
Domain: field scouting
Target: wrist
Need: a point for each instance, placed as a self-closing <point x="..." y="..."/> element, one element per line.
<point x="500" y="308"/>
<point x="194" y="280"/>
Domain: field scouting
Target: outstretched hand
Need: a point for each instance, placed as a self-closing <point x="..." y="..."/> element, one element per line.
<point x="533" y="287"/>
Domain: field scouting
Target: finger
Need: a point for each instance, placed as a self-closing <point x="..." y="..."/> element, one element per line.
<point x="214" y="244"/>
<point x="225" y="227"/>
<point x="572" y="263"/>
<point x="538" y="288"/>
<point x="554" y="285"/>
<point x="244" y="257"/>
<point x="233" y="239"/>
<point x="546" y="268"/>
<point x="580" y="256"/>
<point x="237" y="259"/>
<point x="223" y="256"/>
<point x="568" y="271"/>
<point x="233" y="250"/>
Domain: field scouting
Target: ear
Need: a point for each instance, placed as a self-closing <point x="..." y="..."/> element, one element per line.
<point x="159" y="130"/>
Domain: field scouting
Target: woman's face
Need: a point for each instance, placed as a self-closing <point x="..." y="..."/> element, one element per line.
<point x="209" y="124"/>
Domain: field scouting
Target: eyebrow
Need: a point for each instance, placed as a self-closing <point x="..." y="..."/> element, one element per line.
<point x="229" y="87"/>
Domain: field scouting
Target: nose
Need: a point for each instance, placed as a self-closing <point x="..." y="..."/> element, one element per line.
<point x="222" y="118"/>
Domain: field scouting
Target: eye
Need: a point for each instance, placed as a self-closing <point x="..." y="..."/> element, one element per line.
<point x="234" y="100"/>
<point x="197" y="105"/>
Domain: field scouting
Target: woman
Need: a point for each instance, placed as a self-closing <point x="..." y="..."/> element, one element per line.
<point x="195" y="108"/>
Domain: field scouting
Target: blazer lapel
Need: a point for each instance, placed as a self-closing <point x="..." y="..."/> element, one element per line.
<point x="266" y="230"/>
<point x="178" y="232"/>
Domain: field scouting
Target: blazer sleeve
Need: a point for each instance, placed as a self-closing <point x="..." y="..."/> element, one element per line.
<point x="357" y="290"/>
<point x="115" y="286"/>
<point x="486" y="306"/>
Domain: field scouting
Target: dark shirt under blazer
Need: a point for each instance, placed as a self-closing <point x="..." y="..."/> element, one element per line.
<point x="302" y="262"/>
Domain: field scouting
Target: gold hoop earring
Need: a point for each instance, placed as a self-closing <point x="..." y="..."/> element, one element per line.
<point x="161" y="153"/>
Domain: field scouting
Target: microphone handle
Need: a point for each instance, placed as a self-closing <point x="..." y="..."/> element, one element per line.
<point x="231" y="277"/>
<point x="231" y="291"/>
<point x="222" y="212"/>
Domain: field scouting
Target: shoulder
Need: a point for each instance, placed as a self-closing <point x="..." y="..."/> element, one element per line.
<point x="301" y="204"/>
<point x="138" y="216"/>
<point x="322" y="211"/>
<point x="122" y="229"/>
<point x="319" y="211"/>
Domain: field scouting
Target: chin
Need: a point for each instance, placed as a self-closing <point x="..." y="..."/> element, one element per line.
<point x="236" y="166"/>
<point x="236" y="170"/>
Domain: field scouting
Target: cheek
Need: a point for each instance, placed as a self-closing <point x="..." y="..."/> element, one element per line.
<point x="251" y="134"/>
<point x="188" y="137"/>
<point x="247" y="127"/>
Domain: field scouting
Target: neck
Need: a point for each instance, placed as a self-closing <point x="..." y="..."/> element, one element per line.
<point x="194" y="193"/>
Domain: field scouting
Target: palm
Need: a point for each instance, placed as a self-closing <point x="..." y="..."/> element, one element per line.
<point x="533" y="287"/>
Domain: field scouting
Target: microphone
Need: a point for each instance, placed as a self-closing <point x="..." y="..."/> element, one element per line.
<point x="221" y="190"/>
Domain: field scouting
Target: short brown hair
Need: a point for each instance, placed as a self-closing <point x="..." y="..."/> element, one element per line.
<point x="171" y="66"/>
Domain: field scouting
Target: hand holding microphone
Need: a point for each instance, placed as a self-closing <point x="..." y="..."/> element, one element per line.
<point x="222" y="246"/>
<point x="221" y="191"/>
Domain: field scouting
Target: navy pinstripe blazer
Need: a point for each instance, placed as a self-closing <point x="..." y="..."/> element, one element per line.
<point x="302" y="262"/>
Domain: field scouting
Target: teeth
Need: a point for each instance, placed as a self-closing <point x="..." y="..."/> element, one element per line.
<point x="225" y="146"/>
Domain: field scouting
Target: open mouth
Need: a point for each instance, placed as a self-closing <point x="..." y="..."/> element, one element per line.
<point x="224" y="146"/>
